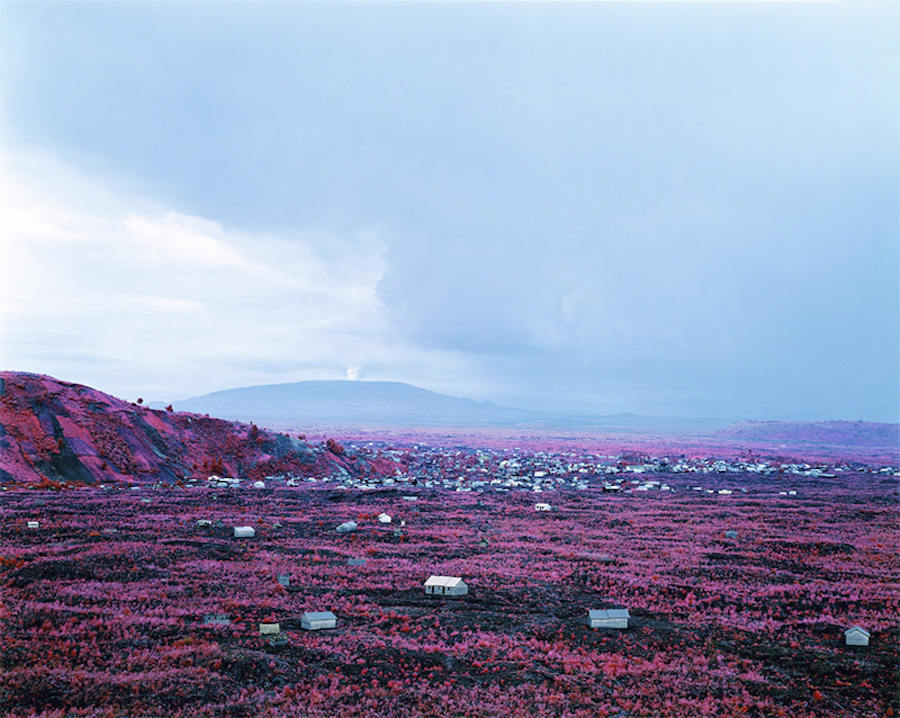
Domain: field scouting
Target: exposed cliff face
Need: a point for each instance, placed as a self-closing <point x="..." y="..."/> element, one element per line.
<point x="56" y="431"/>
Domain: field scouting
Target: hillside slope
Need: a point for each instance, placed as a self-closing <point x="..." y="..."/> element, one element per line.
<point x="52" y="430"/>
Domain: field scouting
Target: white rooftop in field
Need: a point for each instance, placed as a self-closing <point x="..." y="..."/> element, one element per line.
<point x="448" y="581"/>
<point x="319" y="616"/>
<point x="857" y="636"/>
<point x="316" y="620"/>
<point x="608" y="614"/>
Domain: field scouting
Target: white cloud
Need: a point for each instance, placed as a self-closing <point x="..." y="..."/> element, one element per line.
<point x="135" y="298"/>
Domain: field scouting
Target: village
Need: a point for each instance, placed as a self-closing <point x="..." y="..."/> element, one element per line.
<point x="486" y="470"/>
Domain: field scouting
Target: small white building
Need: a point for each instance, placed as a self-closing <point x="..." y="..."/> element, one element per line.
<point x="244" y="532"/>
<point x="317" y="620"/>
<point x="34" y="524"/>
<point x="856" y="636"/>
<point x="608" y="618"/>
<point x="269" y="629"/>
<point x="542" y="507"/>
<point x="732" y="534"/>
<point x="347" y="527"/>
<point x="384" y="518"/>
<point x="446" y="586"/>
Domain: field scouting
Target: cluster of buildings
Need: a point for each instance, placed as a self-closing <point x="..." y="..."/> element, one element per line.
<point x="506" y="470"/>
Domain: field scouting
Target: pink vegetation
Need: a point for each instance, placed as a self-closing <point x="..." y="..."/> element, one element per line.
<point x="53" y="434"/>
<point x="103" y="606"/>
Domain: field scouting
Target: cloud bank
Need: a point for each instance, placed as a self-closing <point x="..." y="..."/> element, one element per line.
<point x="673" y="208"/>
<point x="119" y="293"/>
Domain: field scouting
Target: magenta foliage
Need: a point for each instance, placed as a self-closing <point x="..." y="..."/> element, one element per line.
<point x="102" y="608"/>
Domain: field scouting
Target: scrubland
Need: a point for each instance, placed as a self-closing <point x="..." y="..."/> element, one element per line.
<point x="102" y="607"/>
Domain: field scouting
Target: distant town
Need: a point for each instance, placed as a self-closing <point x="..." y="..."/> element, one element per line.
<point x="482" y="470"/>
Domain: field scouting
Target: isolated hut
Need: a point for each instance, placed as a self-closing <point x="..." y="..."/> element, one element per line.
<point x="856" y="636"/>
<point x="446" y="586"/>
<point x="34" y="524"/>
<point x="731" y="533"/>
<point x="347" y="527"/>
<point x="244" y="532"/>
<point x="356" y="562"/>
<point x="317" y="620"/>
<point x="268" y="629"/>
<point x="384" y="518"/>
<point x="608" y="618"/>
<point x="542" y="507"/>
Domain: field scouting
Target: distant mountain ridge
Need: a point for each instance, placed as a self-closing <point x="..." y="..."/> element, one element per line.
<point x="833" y="433"/>
<point x="350" y="402"/>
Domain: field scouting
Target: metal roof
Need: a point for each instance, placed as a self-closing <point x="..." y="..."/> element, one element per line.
<point x="608" y="613"/>
<point x="443" y="581"/>
<point x="319" y="616"/>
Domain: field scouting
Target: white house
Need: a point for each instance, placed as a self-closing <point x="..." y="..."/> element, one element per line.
<point x="34" y="524"/>
<point x="542" y="507"/>
<point x="244" y="532"/>
<point x="268" y="629"/>
<point x="446" y="586"/>
<point x="608" y="618"/>
<point x="731" y="533"/>
<point x="316" y="620"/>
<point x="856" y="636"/>
<point x="384" y="518"/>
<point x="347" y="527"/>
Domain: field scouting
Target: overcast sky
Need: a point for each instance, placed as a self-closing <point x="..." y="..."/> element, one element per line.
<point x="674" y="209"/>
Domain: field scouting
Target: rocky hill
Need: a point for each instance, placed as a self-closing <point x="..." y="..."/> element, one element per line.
<point x="53" y="431"/>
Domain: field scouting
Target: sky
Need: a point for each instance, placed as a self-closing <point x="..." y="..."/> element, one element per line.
<point x="665" y="208"/>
